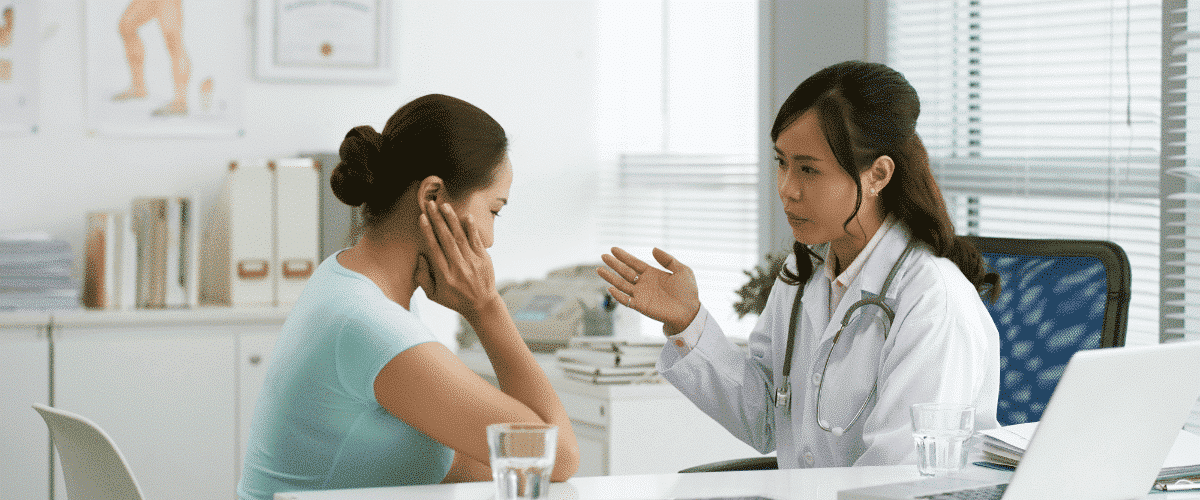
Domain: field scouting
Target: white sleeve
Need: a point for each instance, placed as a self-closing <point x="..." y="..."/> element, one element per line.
<point x="726" y="382"/>
<point x="686" y="340"/>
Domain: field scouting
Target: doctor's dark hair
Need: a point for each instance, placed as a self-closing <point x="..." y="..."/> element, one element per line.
<point x="432" y="135"/>
<point x="867" y="110"/>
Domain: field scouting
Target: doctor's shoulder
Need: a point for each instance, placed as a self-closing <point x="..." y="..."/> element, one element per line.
<point x="930" y="278"/>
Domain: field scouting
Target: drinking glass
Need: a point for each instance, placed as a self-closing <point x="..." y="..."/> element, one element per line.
<point x="522" y="459"/>
<point x="941" y="432"/>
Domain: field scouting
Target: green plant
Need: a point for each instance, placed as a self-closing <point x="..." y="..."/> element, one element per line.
<point x="753" y="295"/>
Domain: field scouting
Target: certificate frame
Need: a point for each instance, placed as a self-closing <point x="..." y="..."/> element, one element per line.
<point x="323" y="41"/>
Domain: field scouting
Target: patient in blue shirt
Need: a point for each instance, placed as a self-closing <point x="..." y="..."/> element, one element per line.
<point x="359" y="393"/>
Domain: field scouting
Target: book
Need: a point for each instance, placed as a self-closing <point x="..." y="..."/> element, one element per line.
<point x="615" y="379"/>
<point x="1004" y="446"/>
<point x="149" y="222"/>
<point x="102" y="261"/>
<point x="612" y="358"/>
<point x="585" y="369"/>
<point x="615" y="344"/>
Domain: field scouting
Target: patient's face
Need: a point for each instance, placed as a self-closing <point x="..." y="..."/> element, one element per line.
<point x="485" y="204"/>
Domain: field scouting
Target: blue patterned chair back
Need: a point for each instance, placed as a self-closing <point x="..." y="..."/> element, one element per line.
<point x="1057" y="297"/>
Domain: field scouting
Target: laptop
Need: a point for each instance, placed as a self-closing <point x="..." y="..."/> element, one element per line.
<point x="1104" y="435"/>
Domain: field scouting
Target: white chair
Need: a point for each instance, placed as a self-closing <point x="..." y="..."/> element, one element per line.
<point x="93" y="467"/>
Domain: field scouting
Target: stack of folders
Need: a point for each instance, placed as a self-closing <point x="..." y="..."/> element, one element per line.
<point x="35" y="273"/>
<point x="1004" y="446"/>
<point x="605" y="360"/>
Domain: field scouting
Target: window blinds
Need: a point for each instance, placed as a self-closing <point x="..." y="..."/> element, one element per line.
<point x="1042" y="121"/>
<point x="1181" y="171"/>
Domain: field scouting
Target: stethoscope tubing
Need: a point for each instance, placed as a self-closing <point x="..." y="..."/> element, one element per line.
<point x="783" y="395"/>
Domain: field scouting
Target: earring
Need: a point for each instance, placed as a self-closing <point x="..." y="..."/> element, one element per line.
<point x="872" y="191"/>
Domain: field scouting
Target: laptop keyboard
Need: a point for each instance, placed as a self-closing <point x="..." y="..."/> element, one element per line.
<point x="993" y="492"/>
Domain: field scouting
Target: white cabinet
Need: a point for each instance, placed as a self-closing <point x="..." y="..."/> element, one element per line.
<point x="632" y="429"/>
<point x="24" y="374"/>
<point x="165" y="385"/>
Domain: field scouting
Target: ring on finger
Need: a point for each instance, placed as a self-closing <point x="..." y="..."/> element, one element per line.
<point x="635" y="278"/>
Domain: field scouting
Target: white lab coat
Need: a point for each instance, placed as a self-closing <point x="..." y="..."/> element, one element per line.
<point x="942" y="347"/>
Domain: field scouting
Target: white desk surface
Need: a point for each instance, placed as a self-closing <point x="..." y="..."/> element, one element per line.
<point x="776" y="484"/>
<point x="789" y="484"/>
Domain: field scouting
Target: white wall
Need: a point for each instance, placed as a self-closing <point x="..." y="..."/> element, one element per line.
<point x="797" y="39"/>
<point x="530" y="64"/>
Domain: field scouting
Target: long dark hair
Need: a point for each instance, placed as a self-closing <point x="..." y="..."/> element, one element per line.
<point x="867" y="110"/>
<point x="432" y="135"/>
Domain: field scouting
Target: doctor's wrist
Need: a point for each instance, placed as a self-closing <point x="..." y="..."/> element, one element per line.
<point x="679" y="324"/>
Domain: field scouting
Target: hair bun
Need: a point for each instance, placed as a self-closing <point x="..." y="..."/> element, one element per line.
<point x="353" y="179"/>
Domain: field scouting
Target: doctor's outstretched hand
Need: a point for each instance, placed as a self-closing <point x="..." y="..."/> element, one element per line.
<point x="668" y="296"/>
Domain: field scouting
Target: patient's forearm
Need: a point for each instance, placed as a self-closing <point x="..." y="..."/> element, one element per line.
<point x="466" y="469"/>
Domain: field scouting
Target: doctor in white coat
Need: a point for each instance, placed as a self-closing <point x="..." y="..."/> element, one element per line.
<point x="855" y="183"/>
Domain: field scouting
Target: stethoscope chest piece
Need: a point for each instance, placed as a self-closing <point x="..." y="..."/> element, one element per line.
<point x="783" y="395"/>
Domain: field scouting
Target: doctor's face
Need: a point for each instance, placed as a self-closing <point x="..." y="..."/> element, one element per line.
<point x="484" y="204"/>
<point x="817" y="194"/>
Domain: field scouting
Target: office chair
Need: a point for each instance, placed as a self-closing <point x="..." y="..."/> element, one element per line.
<point x="1057" y="297"/>
<point x="93" y="467"/>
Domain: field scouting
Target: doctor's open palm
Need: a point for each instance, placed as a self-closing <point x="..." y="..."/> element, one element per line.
<point x="668" y="296"/>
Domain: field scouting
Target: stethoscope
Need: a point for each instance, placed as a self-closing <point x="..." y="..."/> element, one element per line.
<point x="783" y="395"/>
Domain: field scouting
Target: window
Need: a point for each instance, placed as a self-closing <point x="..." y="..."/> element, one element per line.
<point x="678" y="140"/>
<point x="1181" y="173"/>
<point x="1042" y="120"/>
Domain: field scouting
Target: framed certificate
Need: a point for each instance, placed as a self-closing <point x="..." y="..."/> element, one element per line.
<point x="322" y="40"/>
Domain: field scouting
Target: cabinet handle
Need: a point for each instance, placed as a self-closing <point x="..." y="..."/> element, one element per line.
<point x="252" y="269"/>
<point x="255" y="359"/>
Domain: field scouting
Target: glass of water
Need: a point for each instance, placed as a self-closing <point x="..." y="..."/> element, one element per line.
<point x="522" y="459"/>
<point x="941" y="432"/>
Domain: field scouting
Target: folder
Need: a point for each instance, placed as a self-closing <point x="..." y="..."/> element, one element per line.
<point x="297" y="215"/>
<point x="237" y="260"/>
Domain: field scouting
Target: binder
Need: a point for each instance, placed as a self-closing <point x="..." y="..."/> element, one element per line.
<point x="297" y="214"/>
<point x="102" y="261"/>
<point x="149" y="219"/>
<point x="340" y="225"/>
<point x="182" y="263"/>
<point x="238" y="255"/>
<point x="126" y="293"/>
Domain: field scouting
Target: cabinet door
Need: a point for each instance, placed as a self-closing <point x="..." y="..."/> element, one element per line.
<point x="164" y="394"/>
<point x="24" y="441"/>
<point x="254" y="354"/>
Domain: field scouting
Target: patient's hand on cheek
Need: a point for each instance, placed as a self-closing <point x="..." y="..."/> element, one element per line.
<point x="462" y="278"/>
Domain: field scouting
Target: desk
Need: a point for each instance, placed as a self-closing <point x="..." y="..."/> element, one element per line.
<point x="789" y="484"/>
<point x="630" y="429"/>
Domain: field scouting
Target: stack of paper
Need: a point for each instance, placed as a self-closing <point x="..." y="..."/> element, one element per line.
<point x="606" y="360"/>
<point x="35" y="273"/>
<point x="1005" y="445"/>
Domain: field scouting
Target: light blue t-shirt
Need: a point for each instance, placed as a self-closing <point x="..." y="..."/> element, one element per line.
<point x="317" y="424"/>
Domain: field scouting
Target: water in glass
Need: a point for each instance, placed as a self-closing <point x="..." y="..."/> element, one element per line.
<point x="522" y="478"/>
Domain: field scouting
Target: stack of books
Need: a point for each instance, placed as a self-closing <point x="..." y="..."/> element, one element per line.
<point x="1004" y="446"/>
<point x="35" y="273"/>
<point x="144" y="258"/>
<point x="607" y="360"/>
